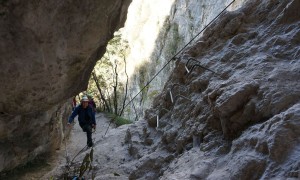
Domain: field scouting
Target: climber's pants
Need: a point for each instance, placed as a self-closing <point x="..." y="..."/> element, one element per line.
<point x="88" y="129"/>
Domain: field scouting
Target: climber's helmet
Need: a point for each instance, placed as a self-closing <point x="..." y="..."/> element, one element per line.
<point x="84" y="102"/>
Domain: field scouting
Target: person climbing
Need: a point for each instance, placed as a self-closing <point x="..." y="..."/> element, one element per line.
<point x="86" y="118"/>
<point x="92" y="102"/>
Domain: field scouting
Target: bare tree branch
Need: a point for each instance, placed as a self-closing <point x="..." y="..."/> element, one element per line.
<point x="126" y="88"/>
<point x="100" y="91"/>
<point x="115" y="100"/>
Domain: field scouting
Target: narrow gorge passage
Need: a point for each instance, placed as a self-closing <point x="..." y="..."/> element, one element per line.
<point x="227" y="108"/>
<point x="109" y="151"/>
<point x="105" y="159"/>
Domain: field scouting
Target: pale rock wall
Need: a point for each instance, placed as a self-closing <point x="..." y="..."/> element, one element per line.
<point x="156" y="31"/>
<point x="241" y="122"/>
<point x="48" y="50"/>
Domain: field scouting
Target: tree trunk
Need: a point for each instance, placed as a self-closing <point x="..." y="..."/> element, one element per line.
<point x="100" y="91"/>
<point x="102" y="106"/>
<point x="115" y="90"/>
<point x="109" y="99"/>
<point x="126" y="89"/>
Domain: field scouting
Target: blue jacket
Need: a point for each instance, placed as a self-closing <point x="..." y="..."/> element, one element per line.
<point x="81" y="115"/>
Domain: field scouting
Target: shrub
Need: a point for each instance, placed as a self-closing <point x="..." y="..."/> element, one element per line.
<point x="118" y="120"/>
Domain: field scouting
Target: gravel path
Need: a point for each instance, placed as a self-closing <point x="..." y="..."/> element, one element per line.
<point x="54" y="164"/>
<point x="110" y="154"/>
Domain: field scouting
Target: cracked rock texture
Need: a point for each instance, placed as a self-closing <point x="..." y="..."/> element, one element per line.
<point x="156" y="35"/>
<point x="241" y="121"/>
<point x="48" y="50"/>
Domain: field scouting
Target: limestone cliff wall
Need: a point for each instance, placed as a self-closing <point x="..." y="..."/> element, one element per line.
<point x="160" y="30"/>
<point x="48" y="50"/>
<point x="237" y="118"/>
<point x="240" y="118"/>
<point x="24" y="137"/>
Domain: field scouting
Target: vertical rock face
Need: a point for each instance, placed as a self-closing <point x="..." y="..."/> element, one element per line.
<point x="157" y="34"/>
<point x="48" y="49"/>
<point x="24" y="137"/>
<point x="238" y="119"/>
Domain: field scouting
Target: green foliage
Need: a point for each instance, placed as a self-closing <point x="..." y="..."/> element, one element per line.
<point x="143" y="79"/>
<point x="172" y="44"/>
<point x="99" y="109"/>
<point x="119" y="121"/>
<point x="143" y="75"/>
<point x="107" y="71"/>
<point x="145" y="93"/>
<point x="128" y="110"/>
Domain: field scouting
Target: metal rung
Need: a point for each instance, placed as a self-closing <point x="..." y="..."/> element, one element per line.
<point x="198" y="65"/>
<point x="187" y="63"/>
<point x="179" y="95"/>
<point x="191" y="59"/>
<point x="187" y="69"/>
<point x="171" y="96"/>
<point x="157" y="120"/>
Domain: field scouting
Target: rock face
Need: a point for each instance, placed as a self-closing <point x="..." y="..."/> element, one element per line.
<point x="48" y="50"/>
<point x="156" y="35"/>
<point x="240" y="118"/>
<point x="24" y="137"/>
<point x="237" y="118"/>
